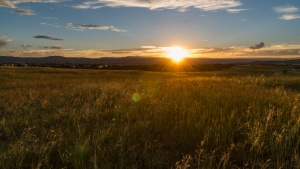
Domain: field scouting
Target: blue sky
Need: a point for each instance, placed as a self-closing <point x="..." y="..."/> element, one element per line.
<point x="116" y="28"/>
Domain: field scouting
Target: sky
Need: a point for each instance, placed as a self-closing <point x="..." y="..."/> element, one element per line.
<point x="119" y="28"/>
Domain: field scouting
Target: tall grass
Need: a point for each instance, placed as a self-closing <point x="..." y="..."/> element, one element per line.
<point x="55" y="118"/>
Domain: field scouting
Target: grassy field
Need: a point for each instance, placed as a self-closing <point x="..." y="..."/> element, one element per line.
<point x="243" y="117"/>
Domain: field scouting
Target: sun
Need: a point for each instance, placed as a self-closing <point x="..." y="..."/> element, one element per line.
<point x="176" y="53"/>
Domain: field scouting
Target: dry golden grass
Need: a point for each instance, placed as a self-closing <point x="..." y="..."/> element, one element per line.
<point x="56" y="118"/>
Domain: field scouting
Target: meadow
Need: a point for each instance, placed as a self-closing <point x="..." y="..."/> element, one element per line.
<point x="241" y="117"/>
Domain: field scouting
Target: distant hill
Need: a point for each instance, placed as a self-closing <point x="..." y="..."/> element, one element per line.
<point x="134" y="60"/>
<point x="63" y="60"/>
<point x="285" y="62"/>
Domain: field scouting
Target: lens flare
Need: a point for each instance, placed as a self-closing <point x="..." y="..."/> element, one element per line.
<point x="136" y="97"/>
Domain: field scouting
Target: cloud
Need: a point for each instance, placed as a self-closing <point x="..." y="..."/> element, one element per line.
<point x="180" y="5"/>
<point x="219" y="50"/>
<point x="88" y="5"/>
<point x="290" y="16"/>
<point x="235" y="10"/>
<point x="52" y="25"/>
<point x="284" y="47"/>
<point x="142" y="51"/>
<point x="258" y="46"/>
<point x="81" y="27"/>
<point x="13" y="3"/>
<point x="278" y="50"/>
<point x="272" y="53"/>
<point x="148" y="47"/>
<point x="4" y="41"/>
<point x="216" y="52"/>
<point x="7" y="3"/>
<point x="53" y="47"/>
<point x="46" y="37"/>
<point x="49" y="18"/>
<point x="288" y="12"/>
<point x="24" y="11"/>
<point x="286" y="9"/>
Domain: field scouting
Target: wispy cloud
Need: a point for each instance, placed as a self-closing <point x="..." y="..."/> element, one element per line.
<point x="49" y="18"/>
<point x="284" y="46"/>
<point x="235" y="10"/>
<point x="7" y="3"/>
<point x="52" y="25"/>
<point x="180" y="5"/>
<point x="53" y="47"/>
<point x="290" y="16"/>
<point x="88" y="5"/>
<point x="216" y="52"/>
<point x="47" y="37"/>
<point x="289" y="12"/>
<point x="286" y="9"/>
<point x="278" y="50"/>
<point x="13" y="4"/>
<point x="148" y="47"/>
<point x="81" y="27"/>
<point x="4" y="41"/>
<point x="24" y="11"/>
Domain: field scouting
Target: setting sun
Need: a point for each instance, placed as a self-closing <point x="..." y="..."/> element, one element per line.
<point x="177" y="53"/>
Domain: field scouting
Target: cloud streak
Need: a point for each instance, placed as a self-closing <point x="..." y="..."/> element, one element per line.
<point x="13" y="4"/>
<point x="49" y="18"/>
<point x="286" y="9"/>
<point x="290" y="16"/>
<point x="180" y="5"/>
<point x="47" y="37"/>
<point x="53" y="47"/>
<point x="288" y="12"/>
<point x="235" y="10"/>
<point x="4" y="41"/>
<point x="81" y="27"/>
<point x="24" y="11"/>
<point x="88" y="5"/>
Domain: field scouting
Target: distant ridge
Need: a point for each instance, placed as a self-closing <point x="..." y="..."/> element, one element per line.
<point x="290" y="61"/>
<point x="135" y="60"/>
<point x="131" y="60"/>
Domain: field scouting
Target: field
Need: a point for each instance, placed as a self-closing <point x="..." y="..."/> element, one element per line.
<point x="242" y="117"/>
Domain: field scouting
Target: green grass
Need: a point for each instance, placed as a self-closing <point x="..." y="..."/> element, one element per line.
<point x="57" y="118"/>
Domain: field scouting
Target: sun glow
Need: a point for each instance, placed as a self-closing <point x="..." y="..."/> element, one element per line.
<point x="176" y="53"/>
